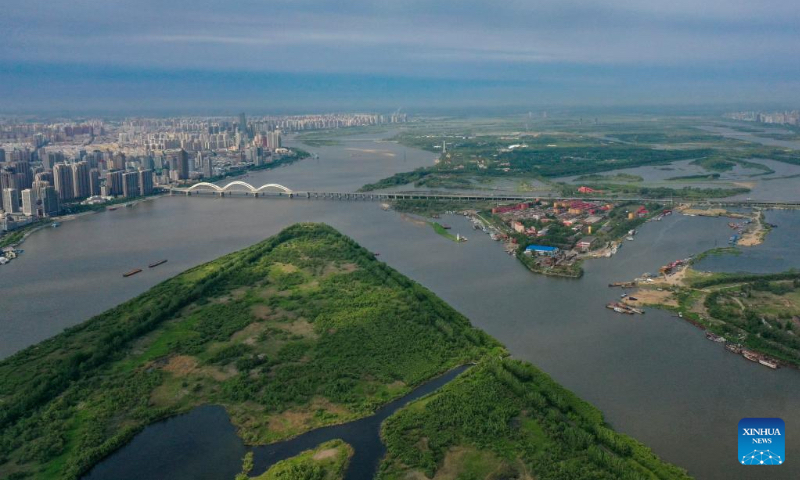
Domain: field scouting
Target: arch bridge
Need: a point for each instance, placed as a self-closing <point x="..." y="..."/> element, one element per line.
<point x="236" y="186"/>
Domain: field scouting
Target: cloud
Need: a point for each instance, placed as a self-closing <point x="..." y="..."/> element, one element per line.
<point x="515" y="40"/>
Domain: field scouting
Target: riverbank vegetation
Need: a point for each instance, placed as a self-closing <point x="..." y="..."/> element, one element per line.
<point x="302" y="330"/>
<point x="505" y="419"/>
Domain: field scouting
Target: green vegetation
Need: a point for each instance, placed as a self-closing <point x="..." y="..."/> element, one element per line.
<point x="16" y="236"/>
<point x="302" y="330"/>
<point x="717" y="252"/>
<point x="326" y="462"/>
<point x="618" y="177"/>
<point x="760" y="312"/>
<point x="690" y="178"/>
<point x="505" y="419"/>
<point x="543" y="156"/>
<point x="439" y="228"/>
<point x="715" y="164"/>
<point x="482" y="151"/>
<point x="730" y="278"/>
<point x="763" y="314"/>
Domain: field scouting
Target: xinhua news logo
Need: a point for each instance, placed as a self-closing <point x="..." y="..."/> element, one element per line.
<point x="762" y="441"/>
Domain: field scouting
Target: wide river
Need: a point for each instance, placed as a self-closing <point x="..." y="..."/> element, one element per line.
<point x="655" y="377"/>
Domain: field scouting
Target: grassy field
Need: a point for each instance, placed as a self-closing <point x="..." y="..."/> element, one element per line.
<point x="303" y="330"/>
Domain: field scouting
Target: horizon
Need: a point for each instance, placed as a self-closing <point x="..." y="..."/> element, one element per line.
<point x="310" y="56"/>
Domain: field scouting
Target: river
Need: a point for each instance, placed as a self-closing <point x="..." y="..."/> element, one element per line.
<point x="655" y="377"/>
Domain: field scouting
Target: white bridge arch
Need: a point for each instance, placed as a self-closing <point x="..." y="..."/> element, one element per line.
<point x="238" y="186"/>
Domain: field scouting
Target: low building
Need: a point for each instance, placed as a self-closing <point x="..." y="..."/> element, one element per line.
<point x="541" y="250"/>
<point x="586" y="243"/>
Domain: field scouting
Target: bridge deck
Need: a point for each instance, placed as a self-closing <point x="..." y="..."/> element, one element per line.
<point x="377" y="196"/>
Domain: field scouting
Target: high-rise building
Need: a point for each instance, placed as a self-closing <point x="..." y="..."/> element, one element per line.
<point x="62" y="176"/>
<point x="94" y="182"/>
<point x="80" y="179"/>
<point x="2" y="155"/>
<point x="207" y="165"/>
<point x="118" y="161"/>
<point x="183" y="164"/>
<point x="24" y="174"/>
<point x="11" y="200"/>
<point x="114" y="183"/>
<point x="49" y="201"/>
<point x="44" y="177"/>
<point x="273" y="140"/>
<point x="243" y="125"/>
<point x="130" y="184"/>
<point x="30" y="202"/>
<point x="147" y="162"/>
<point x="145" y="182"/>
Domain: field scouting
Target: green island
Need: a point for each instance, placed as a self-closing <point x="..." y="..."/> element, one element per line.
<point x="302" y="330"/>
<point x="441" y="230"/>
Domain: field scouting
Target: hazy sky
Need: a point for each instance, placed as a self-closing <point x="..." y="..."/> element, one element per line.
<point x="317" y="55"/>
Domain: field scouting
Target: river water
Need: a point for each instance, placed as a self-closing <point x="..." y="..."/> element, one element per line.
<point x="655" y="377"/>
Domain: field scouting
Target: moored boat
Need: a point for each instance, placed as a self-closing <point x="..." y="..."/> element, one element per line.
<point x="752" y="356"/>
<point x="132" y="272"/>
<point x="732" y="347"/>
<point x="768" y="363"/>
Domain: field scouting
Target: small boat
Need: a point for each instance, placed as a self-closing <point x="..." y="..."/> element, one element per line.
<point x="752" y="356"/>
<point x="446" y="227"/>
<point x="132" y="272"/>
<point x="768" y="363"/>
<point x="633" y="299"/>
<point x="732" y="347"/>
<point x="629" y="238"/>
<point x="155" y="264"/>
<point x="111" y="209"/>
<point x="376" y="254"/>
<point x="56" y="225"/>
<point x="714" y="337"/>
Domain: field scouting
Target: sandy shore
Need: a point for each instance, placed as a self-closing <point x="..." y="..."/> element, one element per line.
<point x="754" y="235"/>
<point x="650" y="296"/>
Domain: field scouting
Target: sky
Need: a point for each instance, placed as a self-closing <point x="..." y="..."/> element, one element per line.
<point x="313" y="55"/>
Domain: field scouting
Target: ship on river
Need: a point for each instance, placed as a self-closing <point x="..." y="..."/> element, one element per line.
<point x="132" y="272"/>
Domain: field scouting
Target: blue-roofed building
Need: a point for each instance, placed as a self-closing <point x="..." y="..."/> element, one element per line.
<point x="541" y="250"/>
